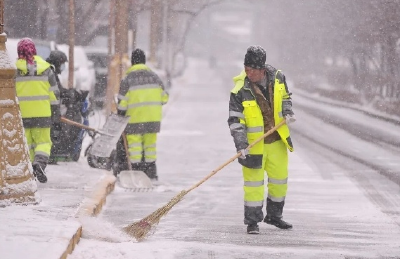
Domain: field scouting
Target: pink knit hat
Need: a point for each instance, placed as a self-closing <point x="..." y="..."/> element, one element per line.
<point x="26" y="50"/>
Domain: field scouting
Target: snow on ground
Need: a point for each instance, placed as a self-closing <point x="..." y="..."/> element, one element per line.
<point x="332" y="215"/>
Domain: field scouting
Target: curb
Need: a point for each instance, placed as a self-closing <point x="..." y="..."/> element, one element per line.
<point x="72" y="243"/>
<point x="372" y="113"/>
<point x="91" y="207"/>
<point x="93" y="203"/>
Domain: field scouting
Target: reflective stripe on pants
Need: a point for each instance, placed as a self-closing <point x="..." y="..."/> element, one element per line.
<point x="39" y="142"/>
<point x="275" y="163"/>
<point x="142" y="145"/>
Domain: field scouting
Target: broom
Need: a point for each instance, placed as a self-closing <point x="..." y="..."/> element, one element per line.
<point x="141" y="229"/>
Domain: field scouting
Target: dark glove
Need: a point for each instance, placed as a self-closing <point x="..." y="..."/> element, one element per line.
<point x="287" y="107"/>
<point x="91" y="133"/>
<point x="244" y="153"/>
<point x="120" y="112"/>
<point x="290" y="118"/>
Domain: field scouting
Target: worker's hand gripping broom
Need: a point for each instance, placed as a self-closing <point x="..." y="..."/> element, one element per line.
<point x="140" y="230"/>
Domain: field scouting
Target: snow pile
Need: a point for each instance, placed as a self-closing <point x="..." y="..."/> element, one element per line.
<point x="5" y="61"/>
<point x="17" y="186"/>
<point x="98" y="229"/>
<point x="23" y="193"/>
<point x="6" y="102"/>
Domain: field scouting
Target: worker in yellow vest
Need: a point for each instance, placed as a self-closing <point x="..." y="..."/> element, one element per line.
<point x="141" y="97"/>
<point x="259" y="101"/>
<point x="35" y="86"/>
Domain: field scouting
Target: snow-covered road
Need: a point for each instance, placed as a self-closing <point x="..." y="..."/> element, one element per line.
<point x="340" y="207"/>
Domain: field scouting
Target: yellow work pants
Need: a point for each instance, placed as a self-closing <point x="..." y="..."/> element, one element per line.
<point x="39" y="143"/>
<point x="275" y="163"/>
<point x="142" y="146"/>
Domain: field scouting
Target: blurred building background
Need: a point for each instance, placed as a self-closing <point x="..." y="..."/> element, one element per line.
<point x="347" y="46"/>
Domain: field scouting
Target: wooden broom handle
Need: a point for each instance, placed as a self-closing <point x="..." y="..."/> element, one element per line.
<point x="79" y="125"/>
<point x="126" y="151"/>
<point x="269" y="132"/>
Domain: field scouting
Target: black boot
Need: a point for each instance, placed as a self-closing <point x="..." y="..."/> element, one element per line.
<point x="151" y="170"/>
<point x="274" y="215"/>
<point x="278" y="222"/>
<point x="116" y="163"/>
<point x="38" y="172"/>
<point x="139" y="167"/>
<point x="119" y="161"/>
<point x="253" y="229"/>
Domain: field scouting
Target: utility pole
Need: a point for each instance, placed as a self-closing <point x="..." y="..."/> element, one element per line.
<point x="155" y="29"/>
<point x="134" y="24"/>
<point x="1" y="16"/>
<point x="17" y="184"/>
<point x="121" y="33"/>
<point x="165" y="60"/>
<point x="118" y="39"/>
<point x="71" y="67"/>
<point x="110" y="76"/>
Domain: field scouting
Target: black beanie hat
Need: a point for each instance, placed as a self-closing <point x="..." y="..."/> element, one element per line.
<point x="57" y="58"/>
<point x="255" y="57"/>
<point x="138" y="57"/>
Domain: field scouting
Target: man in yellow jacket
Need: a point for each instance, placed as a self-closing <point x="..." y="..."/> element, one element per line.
<point x="141" y="97"/>
<point x="259" y="101"/>
<point x="35" y="86"/>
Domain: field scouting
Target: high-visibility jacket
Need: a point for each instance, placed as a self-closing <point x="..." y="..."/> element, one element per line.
<point x="246" y="121"/>
<point x="141" y="97"/>
<point x="35" y="86"/>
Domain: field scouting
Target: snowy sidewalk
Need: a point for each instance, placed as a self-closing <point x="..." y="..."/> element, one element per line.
<point x="334" y="215"/>
<point x="51" y="229"/>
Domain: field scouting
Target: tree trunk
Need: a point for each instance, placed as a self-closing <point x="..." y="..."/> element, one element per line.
<point x="155" y="29"/>
<point x="62" y="31"/>
<point x="43" y="20"/>
<point x="134" y="22"/>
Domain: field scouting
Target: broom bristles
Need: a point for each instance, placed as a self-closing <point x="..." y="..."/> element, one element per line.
<point x="142" y="228"/>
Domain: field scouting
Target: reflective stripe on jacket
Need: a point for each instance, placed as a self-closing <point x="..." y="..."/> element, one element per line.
<point x="246" y="121"/>
<point x="35" y="85"/>
<point x="142" y="95"/>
